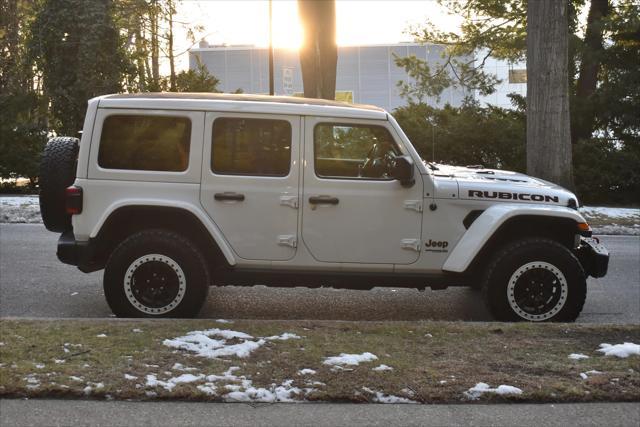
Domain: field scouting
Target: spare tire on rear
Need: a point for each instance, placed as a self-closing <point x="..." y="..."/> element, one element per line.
<point x="57" y="172"/>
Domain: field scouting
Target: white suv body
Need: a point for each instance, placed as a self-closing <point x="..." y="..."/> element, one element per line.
<point x="292" y="191"/>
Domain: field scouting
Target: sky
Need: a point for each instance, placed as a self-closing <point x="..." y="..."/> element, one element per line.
<point x="358" y="22"/>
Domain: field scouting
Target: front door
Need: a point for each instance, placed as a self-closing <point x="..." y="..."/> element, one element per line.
<point x="353" y="210"/>
<point x="250" y="172"/>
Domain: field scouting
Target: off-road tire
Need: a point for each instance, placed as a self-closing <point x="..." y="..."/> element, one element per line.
<point x="57" y="172"/>
<point x="537" y="253"/>
<point x="152" y="246"/>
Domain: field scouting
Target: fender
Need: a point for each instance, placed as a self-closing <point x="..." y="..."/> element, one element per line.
<point x="489" y="222"/>
<point x="193" y="209"/>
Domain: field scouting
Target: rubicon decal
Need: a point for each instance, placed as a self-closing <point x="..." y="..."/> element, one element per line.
<point x="513" y="196"/>
<point x="436" y="246"/>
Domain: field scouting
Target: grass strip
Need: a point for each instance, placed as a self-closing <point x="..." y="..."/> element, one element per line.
<point x="432" y="362"/>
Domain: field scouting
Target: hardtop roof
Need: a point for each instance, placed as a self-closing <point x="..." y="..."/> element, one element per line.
<point x="242" y="98"/>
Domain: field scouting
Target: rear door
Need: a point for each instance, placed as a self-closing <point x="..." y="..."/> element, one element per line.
<point x="250" y="172"/>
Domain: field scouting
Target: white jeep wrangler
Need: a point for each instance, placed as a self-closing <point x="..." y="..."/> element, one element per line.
<point x="173" y="193"/>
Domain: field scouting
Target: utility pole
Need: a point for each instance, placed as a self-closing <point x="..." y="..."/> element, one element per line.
<point x="271" y="85"/>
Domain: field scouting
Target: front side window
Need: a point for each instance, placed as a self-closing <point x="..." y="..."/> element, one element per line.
<point x="353" y="151"/>
<point x="259" y="147"/>
<point x="150" y="143"/>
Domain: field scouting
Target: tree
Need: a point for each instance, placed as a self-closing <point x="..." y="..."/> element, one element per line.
<point x="23" y="120"/>
<point x="198" y="80"/>
<point x="319" y="53"/>
<point x="549" y="154"/>
<point x="78" y="50"/>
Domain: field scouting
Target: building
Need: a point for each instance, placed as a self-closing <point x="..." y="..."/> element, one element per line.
<point x="365" y="74"/>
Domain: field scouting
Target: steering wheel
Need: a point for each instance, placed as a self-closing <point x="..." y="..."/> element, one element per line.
<point x="376" y="164"/>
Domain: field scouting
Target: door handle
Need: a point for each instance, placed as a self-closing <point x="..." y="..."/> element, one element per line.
<point x="228" y="195"/>
<point x="323" y="200"/>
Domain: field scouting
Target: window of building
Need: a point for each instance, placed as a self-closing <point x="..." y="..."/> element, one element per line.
<point x="138" y="142"/>
<point x="260" y="147"/>
<point x="353" y="151"/>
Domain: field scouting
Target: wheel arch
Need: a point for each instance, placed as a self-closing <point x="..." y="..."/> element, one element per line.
<point x="501" y="224"/>
<point x="126" y="220"/>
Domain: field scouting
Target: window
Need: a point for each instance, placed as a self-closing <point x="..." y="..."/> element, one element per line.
<point x="259" y="147"/>
<point x="151" y="143"/>
<point x="353" y="151"/>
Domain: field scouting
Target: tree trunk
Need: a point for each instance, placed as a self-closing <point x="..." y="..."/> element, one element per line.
<point x="319" y="53"/>
<point x="548" y="120"/>
<point x="155" y="46"/>
<point x="172" y="60"/>
<point x="584" y="116"/>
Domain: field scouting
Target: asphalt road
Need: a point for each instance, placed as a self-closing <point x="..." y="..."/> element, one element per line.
<point x="33" y="283"/>
<point x="21" y="413"/>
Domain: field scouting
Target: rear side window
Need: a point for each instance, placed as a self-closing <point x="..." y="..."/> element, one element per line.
<point x="260" y="147"/>
<point x="151" y="143"/>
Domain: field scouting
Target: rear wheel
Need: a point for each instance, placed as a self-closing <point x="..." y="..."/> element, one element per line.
<point x="156" y="273"/>
<point x="535" y="280"/>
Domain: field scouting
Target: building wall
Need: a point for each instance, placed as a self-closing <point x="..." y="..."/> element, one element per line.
<point x="368" y="72"/>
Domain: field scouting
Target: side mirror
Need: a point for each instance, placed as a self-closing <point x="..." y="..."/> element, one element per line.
<point x="403" y="171"/>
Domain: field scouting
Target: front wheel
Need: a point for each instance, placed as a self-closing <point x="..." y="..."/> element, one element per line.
<point x="156" y="273"/>
<point x="536" y="280"/>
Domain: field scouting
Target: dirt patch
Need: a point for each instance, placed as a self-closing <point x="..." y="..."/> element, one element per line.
<point x="429" y="361"/>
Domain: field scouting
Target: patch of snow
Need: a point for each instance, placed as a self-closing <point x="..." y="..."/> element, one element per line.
<point x="136" y="330"/>
<point x="387" y="398"/>
<point x="278" y="393"/>
<point x="181" y="367"/>
<point x="620" y="350"/>
<point x="475" y="392"/>
<point x="59" y="361"/>
<point x="224" y="321"/>
<point x="153" y="381"/>
<point x="1" y="343"/>
<point x="209" y="390"/>
<point x="583" y="375"/>
<point x="593" y="372"/>
<point x="200" y="343"/>
<point x="130" y="377"/>
<point x="74" y="378"/>
<point x="428" y="335"/>
<point x="306" y="371"/>
<point x="578" y="356"/>
<point x="616" y="213"/>
<point x="150" y="393"/>
<point x="20" y="209"/>
<point x="39" y="365"/>
<point x="350" y="359"/>
<point x="73" y="294"/>
<point x="283" y="337"/>
<point x="383" y="368"/>
<point x="101" y="335"/>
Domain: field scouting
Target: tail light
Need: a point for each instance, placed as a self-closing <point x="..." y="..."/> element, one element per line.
<point x="73" y="200"/>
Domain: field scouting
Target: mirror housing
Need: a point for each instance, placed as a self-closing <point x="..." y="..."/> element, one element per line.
<point x="403" y="171"/>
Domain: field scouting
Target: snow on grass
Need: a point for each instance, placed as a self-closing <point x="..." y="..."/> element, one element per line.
<point x="383" y="368"/>
<point x="283" y="337"/>
<point x="101" y="336"/>
<point x="380" y="397"/>
<point x="153" y="381"/>
<point x="306" y="371"/>
<point x="615" y="213"/>
<point x="350" y="359"/>
<point x="206" y="344"/>
<point x="20" y="209"/>
<point x="578" y="356"/>
<point x="475" y="392"/>
<point x="181" y="367"/>
<point x="620" y="350"/>
<point x="130" y="377"/>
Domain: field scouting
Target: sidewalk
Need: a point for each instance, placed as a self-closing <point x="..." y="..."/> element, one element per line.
<point x="93" y="413"/>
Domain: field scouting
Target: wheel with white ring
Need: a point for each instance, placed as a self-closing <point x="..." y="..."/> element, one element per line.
<point x="156" y="273"/>
<point x="535" y="280"/>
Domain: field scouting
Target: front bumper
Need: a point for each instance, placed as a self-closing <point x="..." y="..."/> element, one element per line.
<point x="593" y="256"/>
<point x="70" y="251"/>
